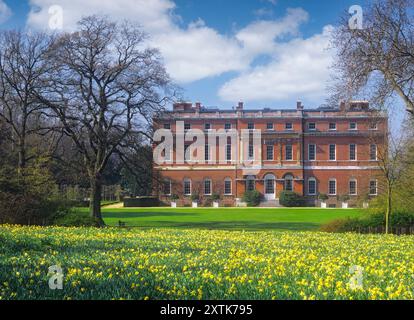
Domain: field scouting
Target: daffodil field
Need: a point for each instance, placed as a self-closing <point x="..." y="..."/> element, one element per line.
<point x="200" y="264"/>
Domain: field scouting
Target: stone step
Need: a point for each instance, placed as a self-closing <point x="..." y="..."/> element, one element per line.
<point x="270" y="204"/>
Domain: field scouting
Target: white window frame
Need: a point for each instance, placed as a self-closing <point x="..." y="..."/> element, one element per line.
<point x="291" y="152"/>
<point x="205" y="126"/>
<point x="376" y="187"/>
<point x="312" y="129"/>
<point x="248" y="126"/>
<point x="316" y="187"/>
<point x="168" y="181"/>
<point x="329" y="151"/>
<point x="211" y="187"/>
<point x="376" y="152"/>
<point x="329" y="126"/>
<point x="272" y="127"/>
<point x="229" y="151"/>
<point x="207" y="154"/>
<point x="290" y="124"/>
<point x="329" y="187"/>
<point x="248" y="180"/>
<point x="272" y="158"/>
<point x="184" y="187"/>
<point x="356" y="126"/>
<point x="250" y="154"/>
<point x="290" y="178"/>
<point x="225" y="126"/>
<point x="356" y="187"/>
<point x="309" y="149"/>
<point x="228" y="180"/>
<point x="356" y="152"/>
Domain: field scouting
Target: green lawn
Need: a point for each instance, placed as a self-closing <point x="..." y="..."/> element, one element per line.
<point x="252" y="219"/>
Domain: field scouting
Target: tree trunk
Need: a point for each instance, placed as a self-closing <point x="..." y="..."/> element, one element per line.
<point x="95" y="202"/>
<point x="389" y="209"/>
<point x="21" y="155"/>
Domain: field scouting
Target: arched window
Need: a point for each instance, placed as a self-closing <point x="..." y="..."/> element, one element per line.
<point x="227" y="186"/>
<point x="187" y="187"/>
<point x="312" y="187"/>
<point x="288" y="182"/>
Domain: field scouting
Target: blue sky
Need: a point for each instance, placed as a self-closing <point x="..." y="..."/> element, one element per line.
<point x="267" y="53"/>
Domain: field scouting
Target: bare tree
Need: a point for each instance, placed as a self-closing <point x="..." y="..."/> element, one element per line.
<point x="23" y="61"/>
<point x="390" y="156"/>
<point x="106" y="85"/>
<point x="379" y="57"/>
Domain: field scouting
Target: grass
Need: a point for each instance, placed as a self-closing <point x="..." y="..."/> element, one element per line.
<point x="252" y="219"/>
<point x="114" y="263"/>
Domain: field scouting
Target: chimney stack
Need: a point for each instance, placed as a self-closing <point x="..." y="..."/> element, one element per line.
<point x="198" y="106"/>
<point x="240" y="106"/>
<point x="299" y="106"/>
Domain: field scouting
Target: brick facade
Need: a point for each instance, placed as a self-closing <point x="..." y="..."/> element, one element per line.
<point x="343" y="147"/>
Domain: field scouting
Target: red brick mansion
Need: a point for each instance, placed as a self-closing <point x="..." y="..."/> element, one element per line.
<point x="330" y="151"/>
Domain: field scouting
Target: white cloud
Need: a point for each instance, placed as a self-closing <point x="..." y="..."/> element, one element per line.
<point x="299" y="68"/>
<point x="259" y="36"/>
<point x="191" y="53"/>
<point x="153" y="14"/>
<point x="199" y="52"/>
<point x="5" y="12"/>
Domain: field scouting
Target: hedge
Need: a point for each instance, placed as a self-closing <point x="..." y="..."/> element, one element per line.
<point x="141" y="202"/>
<point x="291" y="199"/>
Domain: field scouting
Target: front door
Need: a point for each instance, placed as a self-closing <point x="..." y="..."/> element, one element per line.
<point x="270" y="189"/>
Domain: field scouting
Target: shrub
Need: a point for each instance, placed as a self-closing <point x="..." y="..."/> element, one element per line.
<point x="291" y="199"/>
<point x="28" y="198"/>
<point x="215" y="197"/>
<point x="76" y="219"/>
<point x="323" y="197"/>
<point x="344" y="198"/>
<point x="174" y="197"/>
<point x="141" y="202"/>
<point x="195" y="197"/>
<point x="373" y="220"/>
<point x="208" y="202"/>
<point x="341" y="225"/>
<point x="252" y="198"/>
